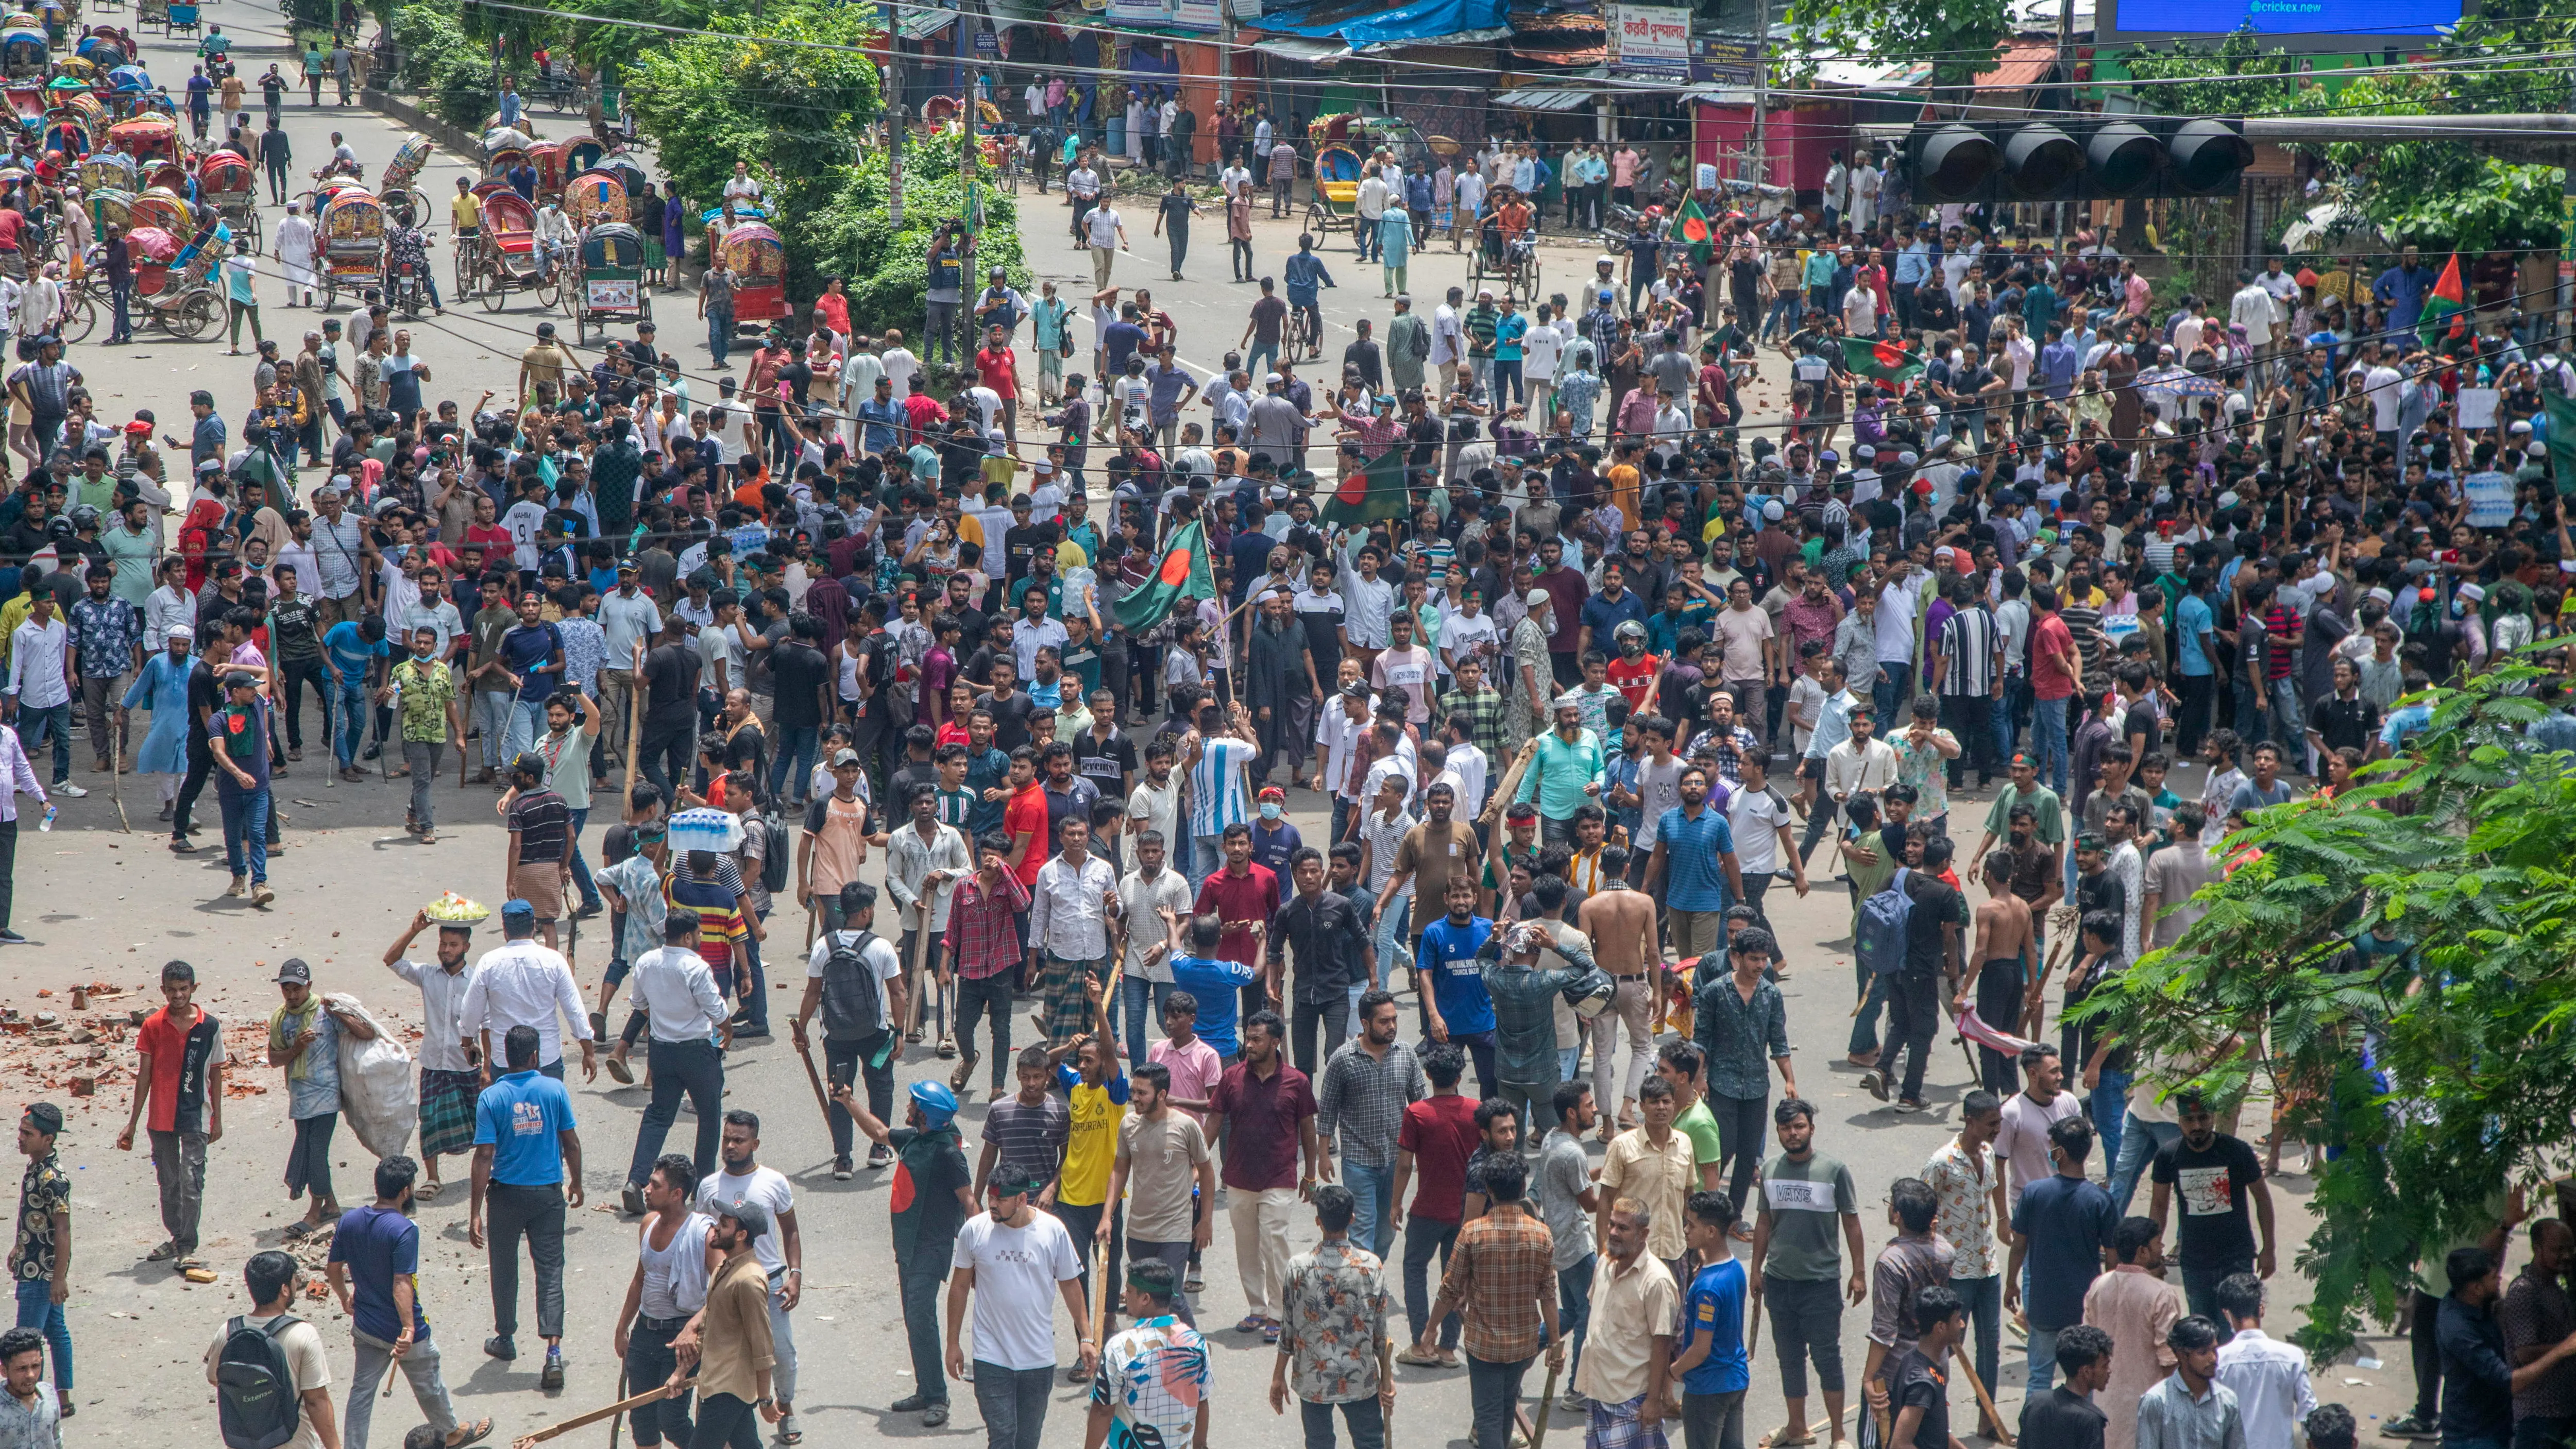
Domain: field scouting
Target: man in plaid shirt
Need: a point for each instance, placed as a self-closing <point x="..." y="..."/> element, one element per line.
<point x="1481" y="706"/>
<point x="1502" y="1274"/>
<point x="984" y="946"/>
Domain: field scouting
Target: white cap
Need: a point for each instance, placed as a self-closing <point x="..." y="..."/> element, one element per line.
<point x="1539" y="598"/>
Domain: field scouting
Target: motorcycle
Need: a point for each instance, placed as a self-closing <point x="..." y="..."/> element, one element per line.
<point x="407" y="296"/>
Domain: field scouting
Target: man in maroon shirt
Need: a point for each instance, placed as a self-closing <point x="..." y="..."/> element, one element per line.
<point x="1245" y="897"/>
<point x="1567" y="591"/>
<point x="1271" y="1108"/>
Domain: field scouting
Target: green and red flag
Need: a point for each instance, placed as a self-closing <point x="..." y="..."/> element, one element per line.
<point x="2443" y="306"/>
<point x="1182" y="575"/>
<point x="1373" y="494"/>
<point x="1881" y="361"/>
<point x="1692" y="225"/>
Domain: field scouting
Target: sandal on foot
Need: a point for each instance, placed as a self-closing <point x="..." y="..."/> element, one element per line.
<point x="625" y="1075"/>
<point x="474" y="1434"/>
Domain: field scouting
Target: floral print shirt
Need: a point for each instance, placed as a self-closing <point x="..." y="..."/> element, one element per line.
<point x="1336" y="1313"/>
<point x="1966" y="1188"/>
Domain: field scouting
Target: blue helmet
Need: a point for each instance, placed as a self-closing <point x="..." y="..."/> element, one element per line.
<point x="937" y="1103"/>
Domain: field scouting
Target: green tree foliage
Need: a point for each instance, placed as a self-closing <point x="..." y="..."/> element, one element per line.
<point x="2443" y="1056"/>
<point x="439" y="60"/>
<point x="1959" y="37"/>
<point x="885" y="267"/>
<point x="793" y="111"/>
<point x="2239" y="78"/>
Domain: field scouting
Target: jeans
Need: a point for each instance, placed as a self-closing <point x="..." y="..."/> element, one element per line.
<point x="1372" y="1225"/>
<point x="2040" y="1368"/>
<point x="754" y="1016"/>
<point x="2200" y="1292"/>
<point x="120" y="296"/>
<point x="1984" y="1300"/>
<point x="726" y="1422"/>
<point x="2007" y="711"/>
<point x="649" y="1360"/>
<point x="976" y="995"/>
<point x="1874" y="990"/>
<point x="348" y="720"/>
<point x="1493" y="1391"/>
<point x="1366" y="1418"/>
<point x="1743" y="1125"/>
<point x="37" y="1309"/>
<point x="1806" y="1323"/>
<point x="1422" y="1238"/>
<point x="1135" y="994"/>
<point x="244" y="812"/>
<point x="590" y="900"/>
<point x="2288" y="729"/>
<point x="1892" y="692"/>
<point x="492" y="717"/>
<point x="691" y="1067"/>
<point x="526" y="721"/>
<point x="1783" y="318"/>
<point x="422" y="758"/>
<point x="2250" y="722"/>
<point x="1574" y="1308"/>
<point x="1507" y="370"/>
<point x="1913" y="1020"/>
<point x="850" y="1061"/>
<point x="924" y="1283"/>
<point x="537" y="1213"/>
<point x="2140" y="1141"/>
<point x="1013" y="1403"/>
<point x="719" y="332"/>
<point x="796" y="747"/>
<point x="2048" y="742"/>
<point x="1713" y="1421"/>
<point x="55" y="720"/>
<point x="419" y="1364"/>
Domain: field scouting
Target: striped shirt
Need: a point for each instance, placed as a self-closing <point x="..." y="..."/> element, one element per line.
<point x="1968" y="653"/>
<point x="1216" y="798"/>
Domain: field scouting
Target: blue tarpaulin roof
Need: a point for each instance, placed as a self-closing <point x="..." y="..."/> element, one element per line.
<point x="1417" y="20"/>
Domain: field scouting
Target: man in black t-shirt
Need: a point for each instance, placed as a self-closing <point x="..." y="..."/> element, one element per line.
<point x="1917" y="1387"/>
<point x="801" y="682"/>
<point x="2217" y="1177"/>
<point x="1932" y="952"/>
<point x="670" y="711"/>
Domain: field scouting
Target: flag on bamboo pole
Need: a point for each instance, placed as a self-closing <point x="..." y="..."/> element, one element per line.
<point x="1183" y="574"/>
<point x="2561" y="411"/>
<point x="1373" y="494"/>
<point x="1881" y="361"/>
<point x="1692" y="226"/>
<point x="2442" y="306"/>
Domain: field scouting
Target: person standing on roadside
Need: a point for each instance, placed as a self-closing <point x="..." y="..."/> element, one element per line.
<point x="667" y="1290"/>
<point x="179" y="1077"/>
<point x="1010" y="1263"/>
<point x="41" y="1261"/>
<point x="527" y="1167"/>
<point x="379" y="1247"/>
<point x="1806" y="1196"/>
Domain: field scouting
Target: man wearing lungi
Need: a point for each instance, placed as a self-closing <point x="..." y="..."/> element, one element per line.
<point x="450" y="1079"/>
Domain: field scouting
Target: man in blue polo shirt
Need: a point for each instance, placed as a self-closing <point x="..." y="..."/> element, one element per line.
<point x="1217" y="985"/>
<point x="527" y="1165"/>
<point x="1695" y="857"/>
<point x="379" y="1248"/>
<point x="2059" y="1231"/>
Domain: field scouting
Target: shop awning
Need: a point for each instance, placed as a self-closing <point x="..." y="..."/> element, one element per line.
<point x="922" y="24"/>
<point x="1719" y="95"/>
<point x="1419" y="20"/>
<point x="1544" y="98"/>
<point x="1301" y="50"/>
<point x="2021" y="67"/>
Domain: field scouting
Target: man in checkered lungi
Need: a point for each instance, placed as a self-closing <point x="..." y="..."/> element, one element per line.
<point x="1069" y="913"/>
<point x="450" y="1079"/>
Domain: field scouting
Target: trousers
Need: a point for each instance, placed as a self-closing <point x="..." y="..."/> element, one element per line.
<point x="1742" y="1123"/>
<point x="1914" y="1014"/>
<point x="692" y="1067"/>
<point x="1334" y="1015"/>
<point x="923" y="1280"/>
<point x="726" y="1422"/>
<point x="1260" y="1217"/>
<point x="1493" y="1391"/>
<point x="1373" y="1193"/>
<point x="308" y="1162"/>
<point x="38" y="1310"/>
<point x="1713" y="1421"/>
<point x="1632" y="1007"/>
<point x="1574" y="1308"/>
<point x="422" y="758"/>
<point x="537" y="1214"/>
<point x="1424" y="1237"/>
<point x="1984" y="1300"/>
<point x="179" y="1162"/>
<point x="1806" y="1326"/>
<point x="98" y="699"/>
<point x="1365" y="1417"/>
<point x="981" y="994"/>
<point x="649" y="1360"/>
<point x="419" y="1365"/>
<point x="849" y="1061"/>
<point x="1013" y="1403"/>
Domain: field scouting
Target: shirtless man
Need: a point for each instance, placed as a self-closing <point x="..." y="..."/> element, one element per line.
<point x="2005" y="957"/>
<point x="1621" y="923"/>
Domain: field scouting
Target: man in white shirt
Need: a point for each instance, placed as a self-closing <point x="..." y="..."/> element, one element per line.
<point x="1070" y="908"/>
<point x="1860" y="763"/>
<point x="1155" y="904"/>
<point x="674" y="990"/>
<point x="524" y="984"/>
<point x="898" y="362"/>
<point x="1105" y="232"/>
<point x="781" y="1250"/>
<point x="2251" y="309"/>
<point x="39" y="698"/>
<point x="2269" y="1377"/>
<point x="447" y="1076"/>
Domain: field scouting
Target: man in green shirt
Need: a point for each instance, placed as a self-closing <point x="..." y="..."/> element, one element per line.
<point x="2025" y="789"/>
<point x="1679" y="1062"/>
<point x="1805" y="1197"/>
<point x="424" y="693"/>
<point x="1564" y="773"/>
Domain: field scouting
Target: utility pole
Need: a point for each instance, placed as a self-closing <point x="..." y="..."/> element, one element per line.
<point x="893" y="118"/>
<point x="1756" y="172"/>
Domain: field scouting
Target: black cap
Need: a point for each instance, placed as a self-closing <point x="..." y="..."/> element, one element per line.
<point x="46" y="1118"/>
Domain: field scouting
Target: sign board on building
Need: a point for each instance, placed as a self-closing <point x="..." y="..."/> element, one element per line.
<point x="987" y="43"/>
<point x="1192" y="15"/>
<point x="2357" y="26"/>
<point x="1723" y="60"/>
<point x="1650" y="40"/>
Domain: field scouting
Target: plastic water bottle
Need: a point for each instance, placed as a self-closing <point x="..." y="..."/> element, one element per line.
<point x="51" y="809"/>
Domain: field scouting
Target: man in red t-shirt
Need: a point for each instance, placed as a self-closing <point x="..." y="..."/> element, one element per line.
<point x="921" y="411"/>
<point x="181" y="1080"/>
<point x="998" y="368"/>
<point x="1633" y="671"/>
<point x="1271" y="1106"/>
<point x="1433" y="1143"/>
<point x="1025" y="818"/>
<point x="2054" y="668"/>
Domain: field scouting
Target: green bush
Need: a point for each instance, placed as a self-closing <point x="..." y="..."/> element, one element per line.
<point x="886" y="270"/>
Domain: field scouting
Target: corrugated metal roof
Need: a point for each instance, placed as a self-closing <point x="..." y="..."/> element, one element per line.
<point x="1563" y="22"/>
<point x="2022" y="66"/>
<point x="1544" y="98"/>
<point x="1595" y="54"/>
<point x="1301" y="50"/>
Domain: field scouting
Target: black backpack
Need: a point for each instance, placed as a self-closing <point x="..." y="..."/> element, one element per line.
<point x="255" y="1392"/>
<point x="780" y="845"/>
<point x="851" y="1005"/>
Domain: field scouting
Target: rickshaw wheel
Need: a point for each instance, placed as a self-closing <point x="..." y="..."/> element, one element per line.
<point x="464" y="275"/>
<point x="1317" y="218"/>
<point x="550" y="293"/>
<point x="258" y="233"/>
<point x="496" y="291"/>
<point x="194" y="316"/>
<point x="80" y="315"/>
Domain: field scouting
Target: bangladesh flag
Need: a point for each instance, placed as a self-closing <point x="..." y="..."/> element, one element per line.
<point x="1881" y="361"/>
<point x="1692" y="225"/>
<point x="1373" y="494"/>
<point x="1183" y="575"/>
<point x="2442" y="305"/>
<point x="2561" y="410"/>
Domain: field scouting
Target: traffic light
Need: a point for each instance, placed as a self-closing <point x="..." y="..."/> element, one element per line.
<point x="2076" y="158"/>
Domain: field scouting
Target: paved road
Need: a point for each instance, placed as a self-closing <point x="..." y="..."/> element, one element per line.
<point x="102" y="906"/>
